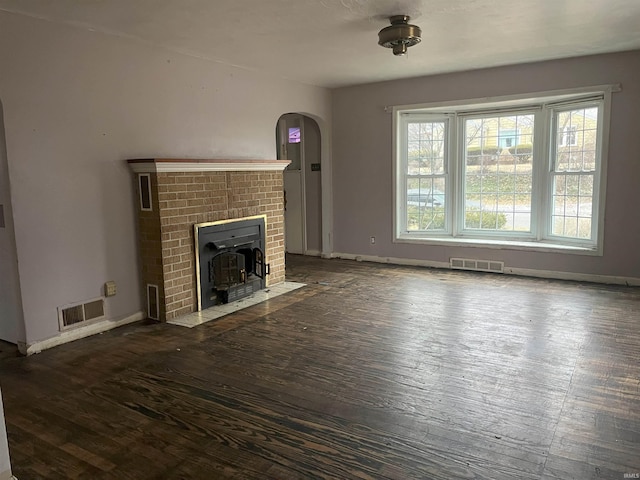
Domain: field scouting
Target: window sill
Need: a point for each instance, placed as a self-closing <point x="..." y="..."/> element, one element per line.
<point x="547" y="247"/>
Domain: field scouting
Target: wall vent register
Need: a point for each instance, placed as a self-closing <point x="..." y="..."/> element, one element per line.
<point x="153" y="302"/>
<point x="144" y="187"/>
<point x="476" y="265"/>
<point x="75" y="315"/>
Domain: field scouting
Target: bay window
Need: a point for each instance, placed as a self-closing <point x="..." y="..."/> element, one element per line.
<point x="519" y="172"/>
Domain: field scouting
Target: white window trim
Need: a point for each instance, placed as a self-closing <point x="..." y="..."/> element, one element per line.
<point x="543" y="241"/>
<point x="597" y="198"/>
<point x="447" y="167"/>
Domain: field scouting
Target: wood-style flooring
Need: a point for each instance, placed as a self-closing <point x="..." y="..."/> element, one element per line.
<point x="370" y="371"/>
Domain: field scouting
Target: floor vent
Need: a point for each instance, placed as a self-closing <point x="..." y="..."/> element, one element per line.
<point x="476" y="265"/>
<point x="75" y="315"/>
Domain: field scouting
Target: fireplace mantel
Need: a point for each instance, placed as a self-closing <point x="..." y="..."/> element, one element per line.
<point x="151" y="165"/>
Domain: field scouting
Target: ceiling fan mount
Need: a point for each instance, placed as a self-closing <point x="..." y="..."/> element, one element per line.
<point x="400" y="35"/>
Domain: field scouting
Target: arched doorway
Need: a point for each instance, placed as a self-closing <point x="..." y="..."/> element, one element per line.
<point x="299" y="140"/>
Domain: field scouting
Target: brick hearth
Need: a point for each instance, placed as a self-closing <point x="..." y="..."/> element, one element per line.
<point x="186" y="192"/>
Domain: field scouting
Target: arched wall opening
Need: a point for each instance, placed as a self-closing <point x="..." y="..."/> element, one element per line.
<point x="302" y="139"/>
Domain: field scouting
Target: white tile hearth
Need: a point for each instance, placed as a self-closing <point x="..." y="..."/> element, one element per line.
<point x="198" y="318"/>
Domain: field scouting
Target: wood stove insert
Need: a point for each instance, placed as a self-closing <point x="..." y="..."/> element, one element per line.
<point x="230" y="261"/>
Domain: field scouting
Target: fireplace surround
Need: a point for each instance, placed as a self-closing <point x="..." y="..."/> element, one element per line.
<point x="175" y="195"/>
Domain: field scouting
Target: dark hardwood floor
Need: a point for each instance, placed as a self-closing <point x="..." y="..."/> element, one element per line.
<point x="370" y="371"/>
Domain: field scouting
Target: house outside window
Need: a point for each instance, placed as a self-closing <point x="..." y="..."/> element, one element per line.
<point x="524" y="172"/>
<point x="567" y="136"/>
<point x="507" y="138"/>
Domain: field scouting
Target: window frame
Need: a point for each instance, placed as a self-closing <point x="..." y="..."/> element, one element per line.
<point x="597" y="198"/>
<point x="401" y="188"/>
<point x="544" y="104"/>
<point x="460" y="214"/>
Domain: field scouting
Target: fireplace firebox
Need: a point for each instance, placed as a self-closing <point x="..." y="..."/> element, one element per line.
<point x="230" y="260"/>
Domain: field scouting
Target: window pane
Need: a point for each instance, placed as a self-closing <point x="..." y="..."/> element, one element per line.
<point x="498" y="173"/>
<point x="577" y="134"/>
<point x="425" y="181"/>
<point x="425" y="148"/>
<point x="558" y="207"/>
<point x="576" y="140"/>
<point x="426" y="203"/>
<point x="294" y="134"/>
<point x="584" y="228"/>
<point x="586" y="185"/>
<point x="585" y="207"/>
<point x="572" y="205"/>
<point x="413" y="157"/>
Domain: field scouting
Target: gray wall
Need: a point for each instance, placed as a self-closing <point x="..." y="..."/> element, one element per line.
<point x="11" y="321"/>
<point x="77" y="103"/>
<point x="313" y="185"/>
<point x="363" y="162"/>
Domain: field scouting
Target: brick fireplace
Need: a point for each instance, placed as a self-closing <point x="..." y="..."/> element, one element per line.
<point x="176" y="194"/>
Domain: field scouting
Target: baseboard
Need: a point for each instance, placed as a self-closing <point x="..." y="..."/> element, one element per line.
<point x="392" y="260"/>
<point x="313" y="253"/>
<point x="77" y="333"/>
<point x="576" y="277"/>
<point x="525" y="272"/>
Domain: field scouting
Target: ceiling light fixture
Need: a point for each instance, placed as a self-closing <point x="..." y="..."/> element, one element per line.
<point x="400" y="35"/>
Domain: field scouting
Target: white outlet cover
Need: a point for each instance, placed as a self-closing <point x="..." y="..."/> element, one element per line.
<point x="109" y="289"/>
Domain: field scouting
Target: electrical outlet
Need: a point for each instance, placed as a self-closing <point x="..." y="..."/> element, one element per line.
<point x="110" y="289"/>
<point x="373" y="240"/>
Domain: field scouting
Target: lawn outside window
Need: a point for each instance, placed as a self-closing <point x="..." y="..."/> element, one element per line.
<point x="520" y="172"/>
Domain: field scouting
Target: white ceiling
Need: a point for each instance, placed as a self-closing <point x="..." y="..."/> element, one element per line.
<point x="334" y="42"/>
